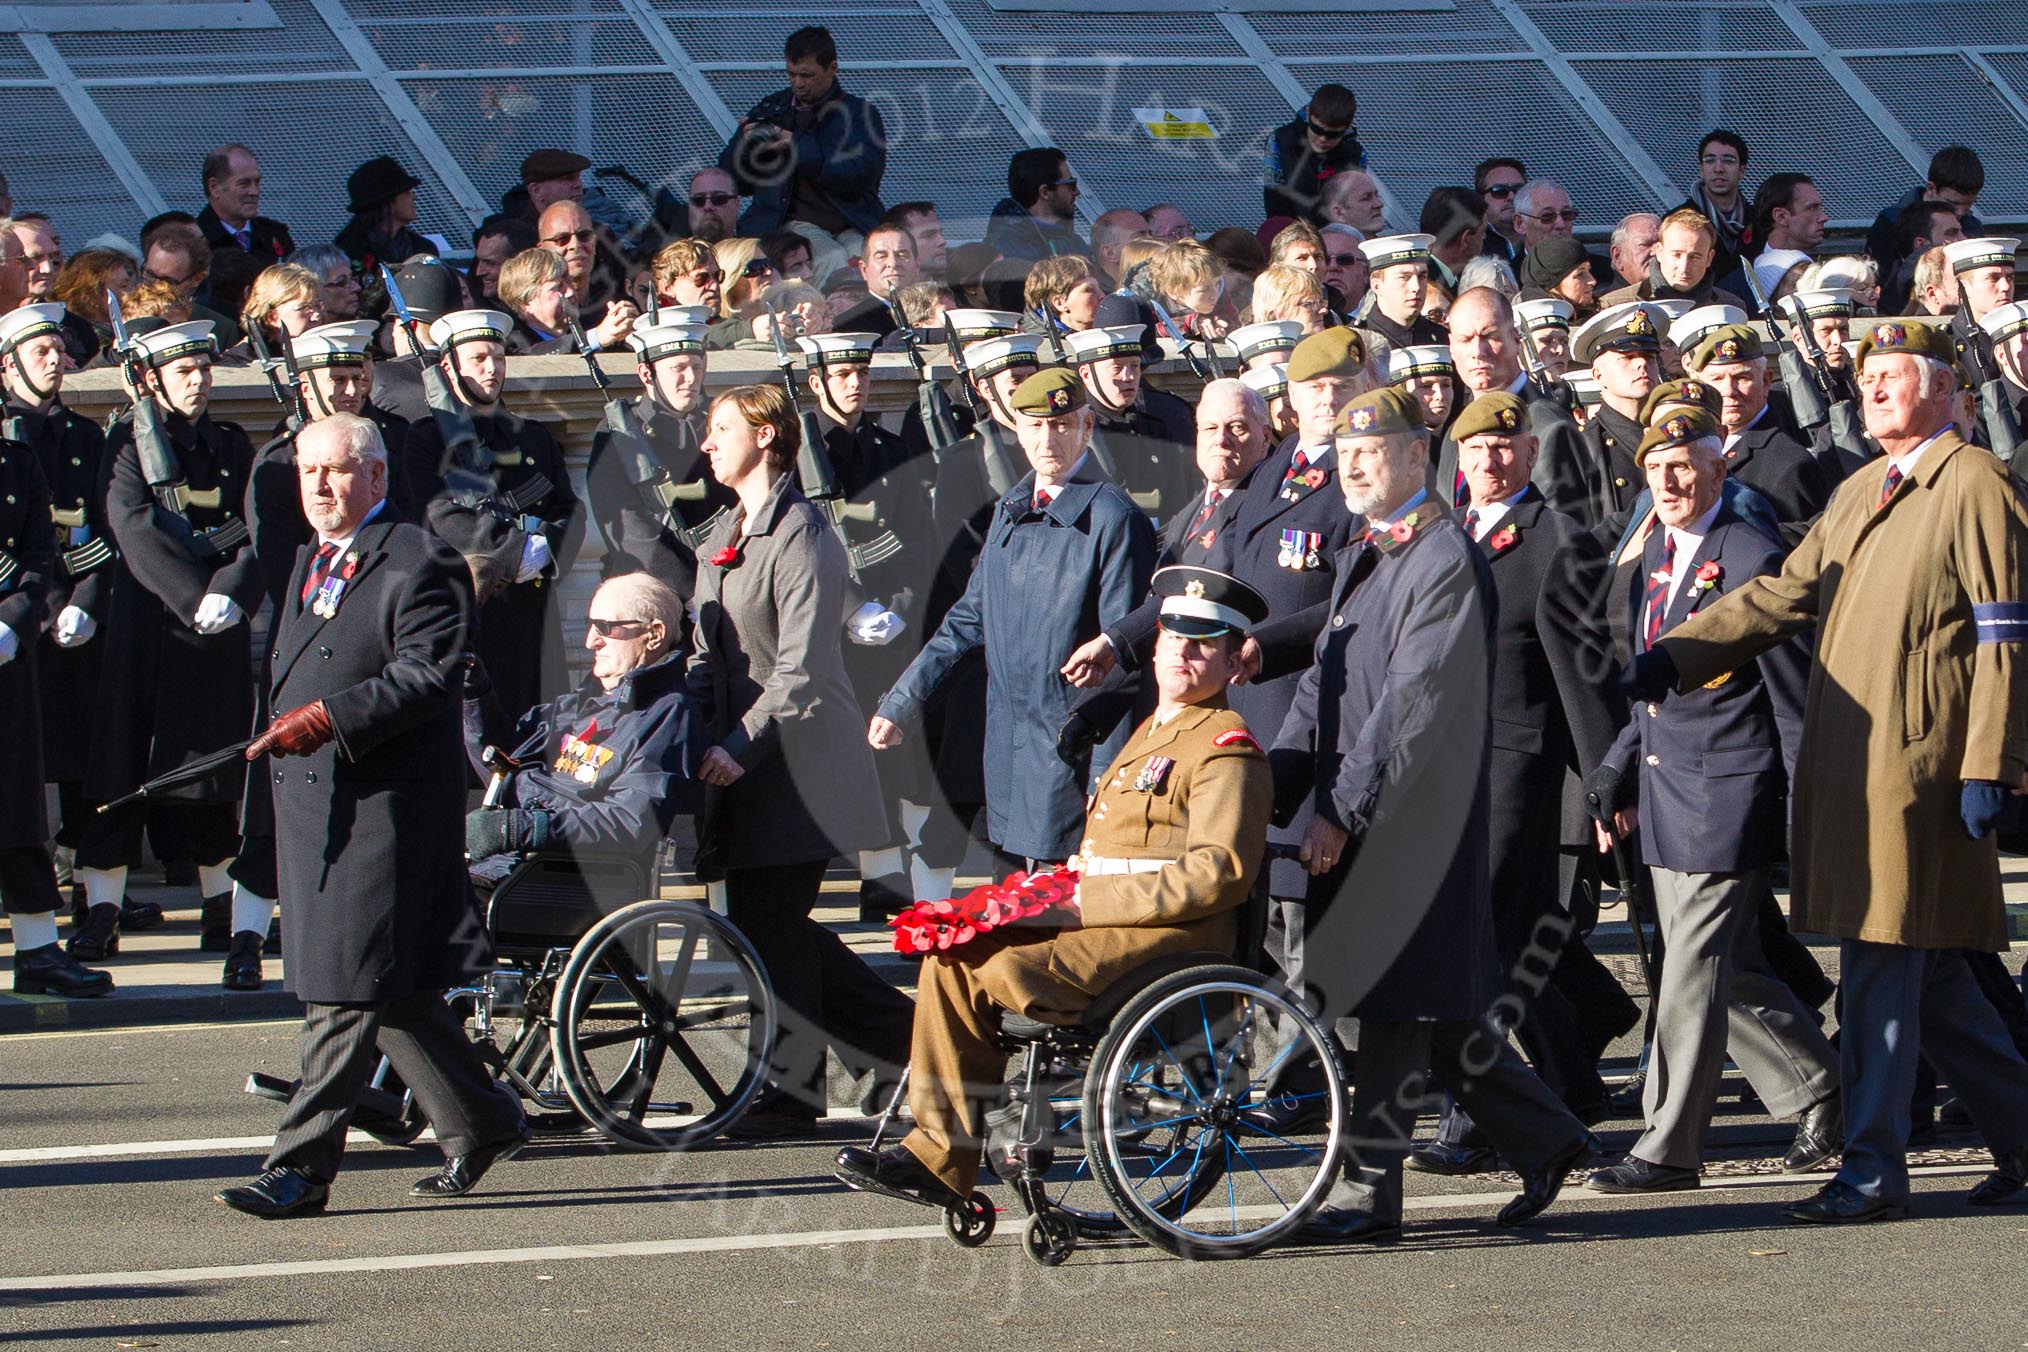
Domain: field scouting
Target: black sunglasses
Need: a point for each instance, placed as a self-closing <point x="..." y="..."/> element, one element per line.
<point x="1500" y="189"/>
<point x="759" y="267"/>
<point x="616" y="628"/>
<point x="1327" y="133"/>
<point x="712" y="199"/>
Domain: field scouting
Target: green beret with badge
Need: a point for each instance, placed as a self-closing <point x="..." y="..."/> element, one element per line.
<point x="1724" y="346"/>
<point x="1049" y="394"/>
<point x="1682" y="392"/>
<point x="1681" y="428"/>
<point x="1334" y="352"/>
<point x="1385" y="412"/>
<point x="1905" y="335"/>
<point x="1498" y="414"/>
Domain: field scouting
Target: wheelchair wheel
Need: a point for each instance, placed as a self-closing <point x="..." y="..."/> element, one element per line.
<point x="1071" y="1182"/>
<point x="662" y="1024"/>
<point x="1175" y="1095"/>
<point x="973" y="1226"/>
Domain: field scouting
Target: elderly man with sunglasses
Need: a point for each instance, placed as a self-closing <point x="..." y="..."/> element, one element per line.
<point x="604" y="768"/>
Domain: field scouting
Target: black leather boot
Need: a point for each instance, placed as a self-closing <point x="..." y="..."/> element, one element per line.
<point x="99" y="938"/>
<point x="214" y="933"/>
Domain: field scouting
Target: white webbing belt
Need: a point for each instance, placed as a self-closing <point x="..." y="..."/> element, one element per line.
<point x="1099" y="866"/>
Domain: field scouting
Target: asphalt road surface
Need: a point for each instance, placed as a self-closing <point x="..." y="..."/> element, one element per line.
<point x="111" y="1144"/>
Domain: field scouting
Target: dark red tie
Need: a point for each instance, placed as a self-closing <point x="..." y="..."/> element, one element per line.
<point x="1042" y="498"/>
<point x="1297" y="464"/>
<point x="320" y="569"/>
<point x="1204" y="516"/>
<point x="1888" y="485"/>
<point x="1659" y="583"/>
<point x="1458" y="491"/>
<point x="1472" y="523"/>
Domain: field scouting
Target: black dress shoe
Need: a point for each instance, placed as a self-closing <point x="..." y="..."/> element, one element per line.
<point x="1347" y="1225"/>
<point x="1820" y="1136"/>
<point x="214" y="926"/>
<point x="1289" y="1114"/>
<point x="896" y="1172"/>
<point x="1451" y="1160"/>
<point x="1637" y="1175"/>
<point x="773" y="1117"/>
<point x="2009" y="1178"/>
<point x="461" y="1173"/>
<point x="243" y="963"/>
<point x="99" y="937"/>
<point x="140" y="915"/>
<point x="49" y="970"/>
<point x="1540" y="1187"/>
<point x="273" y="946"/>
<point x="277" y="1195"/>
<point x="1842" y="1204"/>
<point x="880" y="898"/>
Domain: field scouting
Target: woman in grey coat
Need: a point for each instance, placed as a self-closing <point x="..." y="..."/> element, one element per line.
<point x="791" y="780"/>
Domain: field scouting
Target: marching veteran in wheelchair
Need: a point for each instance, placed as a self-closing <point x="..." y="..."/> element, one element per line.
<point x="1173" y="844"/>
<point x="603" y="769"/>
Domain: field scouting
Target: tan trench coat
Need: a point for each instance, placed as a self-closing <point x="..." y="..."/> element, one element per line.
<point x="1906" y="701"/>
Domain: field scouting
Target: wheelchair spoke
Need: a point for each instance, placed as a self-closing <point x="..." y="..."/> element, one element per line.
<point x="611" y="1037"/>
<point x="1232" y="1146"/>
<point x="651" y="1001"/>
<point x="644" y="1080"/>
<point x="1268" y="1071"/>
<point x="1181" y="1073"/>
<point x="688" y="1058"/>
<point x="698" y="1018"/>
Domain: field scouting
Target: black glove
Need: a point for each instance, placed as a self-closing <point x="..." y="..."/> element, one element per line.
<point x="1985" y="805"/>
<point x="505" y="830"/>
<point x="1604" y="792"/>
<point x="1650" y="676"/>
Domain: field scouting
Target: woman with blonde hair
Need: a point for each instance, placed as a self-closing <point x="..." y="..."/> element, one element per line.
<point x="1285" y="291"/>
<point x="789" y="764"/>
<point x="286" y="301"/>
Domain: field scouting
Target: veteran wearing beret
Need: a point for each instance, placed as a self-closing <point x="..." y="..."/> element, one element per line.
<point x="1758" y="448"/>
<point x="1912" y="582"/>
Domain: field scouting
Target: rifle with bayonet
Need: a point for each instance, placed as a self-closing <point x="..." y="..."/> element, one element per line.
<point x="939" y="418"/>
<point x="159" y="465"/>
<point x="813" y="467"/>
<point x="1539" y="378"/>
<point x="467" y="465"/>
<point x="1001" y="475"/>
<point x="289" y="396"/>
<point x="1205" y="369"/>
<point x="1054" y="328"/>
<point x="630" y="442"/>
<point x="1848" y="435"/>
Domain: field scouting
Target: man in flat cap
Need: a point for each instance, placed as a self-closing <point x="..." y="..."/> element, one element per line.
<point x="1068" y="553"/>
<point x="1387" y="744"/>
<point x="1702" y="775"/>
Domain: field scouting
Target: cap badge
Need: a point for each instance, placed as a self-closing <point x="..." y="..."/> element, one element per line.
<point x="1362" y="418"/>
<point x="1194" y="588"/>
<point x="1889" y="335"/>
<point x="1639" y="325"/>
<point x="1059" y="401"/>
<point x="1677" y="427"/>
<point x="1507" y="420"/>
<point x="1728" y="349"/>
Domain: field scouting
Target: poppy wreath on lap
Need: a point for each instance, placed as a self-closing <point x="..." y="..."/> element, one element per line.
<point x="939" y="926"/>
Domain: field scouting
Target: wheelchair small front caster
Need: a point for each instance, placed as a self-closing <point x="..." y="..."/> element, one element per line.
<point x="973" y="1225"/>
<point x="1049" y="1240"/>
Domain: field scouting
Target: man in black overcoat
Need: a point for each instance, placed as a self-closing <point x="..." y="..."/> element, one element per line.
<point x="368" y="776"/>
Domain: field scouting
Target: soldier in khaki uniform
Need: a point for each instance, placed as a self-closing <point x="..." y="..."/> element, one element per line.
<point x="1172" y="846"/>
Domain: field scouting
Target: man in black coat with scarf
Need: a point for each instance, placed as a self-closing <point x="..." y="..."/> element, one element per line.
<point x="368" y="776"/>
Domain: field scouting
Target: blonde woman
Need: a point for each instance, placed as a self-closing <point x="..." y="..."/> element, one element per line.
<point x="287" y="301"/>
<point x="1285" y="291"/>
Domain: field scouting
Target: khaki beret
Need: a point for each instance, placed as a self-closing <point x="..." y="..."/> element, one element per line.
<point x="1723" y="345"/>
<point x="1677" y="429"/>
<point x="1501" y="414"/>
<point x="1334" y="352"/>
<point x="1049" y="394"/>
<point x="1380" y="413"/>
<point x="1682" y="393"/>
<point x="1905" y="335"/>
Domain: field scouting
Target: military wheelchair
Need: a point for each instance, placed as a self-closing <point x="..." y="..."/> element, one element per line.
<point x="650" y="1022"/>
<point x="1170" y="1111"/>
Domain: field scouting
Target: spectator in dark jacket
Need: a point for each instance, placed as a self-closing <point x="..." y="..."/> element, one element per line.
<point x="810" y="157"/>
<point x="1038" y="216"/>
<point x="1302" y="154"/>
<point x="1956" y="178"/>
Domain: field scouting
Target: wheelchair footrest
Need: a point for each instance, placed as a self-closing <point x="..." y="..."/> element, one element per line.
<point x="273" y="1087"/>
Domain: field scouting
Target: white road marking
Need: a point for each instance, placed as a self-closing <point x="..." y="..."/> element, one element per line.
<point x="43" y="1154"/>
<point x="135" y="1030"/>
<point x="653" y="1248"/>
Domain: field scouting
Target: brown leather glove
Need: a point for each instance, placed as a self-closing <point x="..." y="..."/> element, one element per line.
<point x="296" y="733"/>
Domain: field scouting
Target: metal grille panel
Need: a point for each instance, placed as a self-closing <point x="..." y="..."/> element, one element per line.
<point x="304" y="44"/>
<point x="562" y="41"/>
<point x="363" y="10"/>
<point x="1791" y="113"/>
<point x="1041" y="36"/>
<point x="53" y="167"/>
<point x="1942" y="100"/>
<point x="169" y="131"/>
<point x="1869" y="23"/>
<point x="1428" y="125"/>
<point x="14" y="58"/>
<point x="718" y="36"/>
<point x="1473" y="26"/>
<point x="1590" y="26"/>
<point x="645" y="122"/>
<point x="947" y="141"/>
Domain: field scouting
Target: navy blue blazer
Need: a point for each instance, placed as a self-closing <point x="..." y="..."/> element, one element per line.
<point x="1710" y="763"/>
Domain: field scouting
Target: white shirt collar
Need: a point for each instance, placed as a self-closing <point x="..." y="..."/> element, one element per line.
<point x="1493" y="513"/>
<point x="1520" y="382"/>
<point x="1063" y="483"/>
<point x="1905" y="462"/>
<point x="341" y="545"/>
<point x="1317" y="457"/>
<point x="1758" y="418"/>
<point x="1687" y="540"/>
